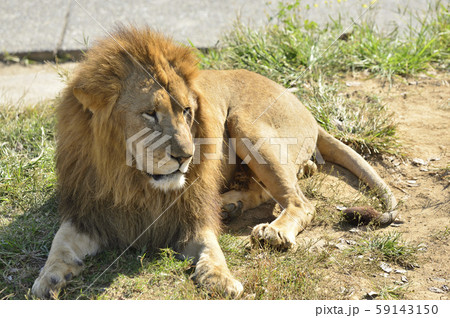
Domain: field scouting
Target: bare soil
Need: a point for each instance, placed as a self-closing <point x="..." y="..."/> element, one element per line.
<point x="421" y="107"/>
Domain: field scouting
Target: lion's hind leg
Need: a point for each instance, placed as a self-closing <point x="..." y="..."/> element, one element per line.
<point x="235" y="202"/>
<point x="297" y="213"/>
<point x="280" y="183"/>
<point x="65" y="260"/>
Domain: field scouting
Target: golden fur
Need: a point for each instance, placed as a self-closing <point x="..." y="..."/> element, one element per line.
<point x="140" y="80"/>
<point x="91" y="149"/>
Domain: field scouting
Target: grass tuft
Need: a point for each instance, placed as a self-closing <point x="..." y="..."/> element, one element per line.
<point x="387" y="247"/>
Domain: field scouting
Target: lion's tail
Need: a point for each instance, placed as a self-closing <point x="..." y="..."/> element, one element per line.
<point x="335" y="151"/>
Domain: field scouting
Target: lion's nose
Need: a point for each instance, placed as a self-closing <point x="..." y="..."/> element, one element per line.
<point x="182" y="160"/>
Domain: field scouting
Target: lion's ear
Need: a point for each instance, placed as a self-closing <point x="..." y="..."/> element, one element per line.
<point x="89" y="101"/>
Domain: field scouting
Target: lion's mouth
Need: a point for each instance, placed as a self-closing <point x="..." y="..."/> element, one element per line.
<point x="161" y="177"/>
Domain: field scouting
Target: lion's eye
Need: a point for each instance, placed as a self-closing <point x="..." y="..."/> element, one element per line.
<point x="187" y="112"/>
<point x="150" y="116"/>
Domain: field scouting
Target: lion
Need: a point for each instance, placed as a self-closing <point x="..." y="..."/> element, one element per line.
<point x="147" y="143"/>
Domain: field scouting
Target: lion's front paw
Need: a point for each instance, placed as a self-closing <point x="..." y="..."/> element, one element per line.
<point x="268" y="233"/>
<point x="217" y="281"/>
<point x="52" y="278"/>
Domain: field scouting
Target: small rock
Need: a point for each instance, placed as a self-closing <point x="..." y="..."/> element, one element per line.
<point x="445" y="288"/>
<point x="438" y="279"/>
<point x="340" y="246"/>
<point x="340" y="207"/>
<point x="395" y="224"/>
<point x="404" y="279"/>
<point x="385" y="267"/>
<point x="354" y="230"/>
<point x="424" y="169"/>
<point x="411" y="181"/>
<point x="384" y="274"/>
<point x="436" y="290"/>
<point x="435" y="159"/>
<point x="400" y="271"/>
<point x="419" y="162"/>
<point x="371" y="295"/>
<point x="422" y="247"/>
<point x="350" y="84"/>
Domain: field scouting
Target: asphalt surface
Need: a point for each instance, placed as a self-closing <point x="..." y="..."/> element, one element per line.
<point x="41" y="29"/>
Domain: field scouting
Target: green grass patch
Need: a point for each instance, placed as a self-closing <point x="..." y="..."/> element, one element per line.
<point x="387" y="247"/>
<point x="363" y="123"/>
<point x="291" y="48"/>
<point x="27" y="198"/>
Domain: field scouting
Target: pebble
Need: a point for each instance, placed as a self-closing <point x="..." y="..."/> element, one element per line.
<point x="419" y="162"/>
<point x="340" y="246"/>
<point x="404" y="279"/>
<point x="438" y="279"/>
<point x="372" y="295"/>
<point x="445" y="288"/>
<point x="411" y="181"/>
<point x="385" y="267"/>
<point x="436" y="290"/>
<point x="422" y="247"/>
<point x="350" y="84"/>
<point x="340" y="207"/>
<point x="400" y="271"/>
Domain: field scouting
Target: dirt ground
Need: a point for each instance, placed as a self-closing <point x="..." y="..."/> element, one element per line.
<point x="422" y="110"/>
<point x="421" y="107"/>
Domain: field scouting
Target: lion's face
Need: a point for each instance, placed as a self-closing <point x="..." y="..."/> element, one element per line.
<point x="159" y="128"/>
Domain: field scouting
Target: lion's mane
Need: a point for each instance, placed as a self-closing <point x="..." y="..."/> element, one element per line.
<point x="99" y="193"/>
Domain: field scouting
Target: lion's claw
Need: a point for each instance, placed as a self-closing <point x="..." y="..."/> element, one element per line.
<point x="52" y="279"/>
<point x="216" y="281"/>
<point x="267" y="233"/>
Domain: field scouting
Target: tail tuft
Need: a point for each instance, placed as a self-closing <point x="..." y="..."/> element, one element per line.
<point x="361" y="215"/>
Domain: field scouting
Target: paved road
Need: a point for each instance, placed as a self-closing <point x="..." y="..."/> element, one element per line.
<point x="43" y="28"/>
